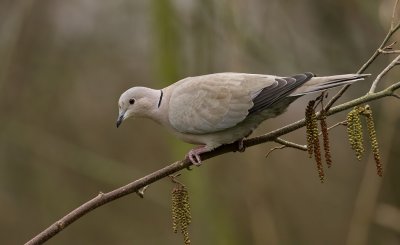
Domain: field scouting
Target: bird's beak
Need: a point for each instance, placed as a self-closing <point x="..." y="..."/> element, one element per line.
<point x="120" y="119"/>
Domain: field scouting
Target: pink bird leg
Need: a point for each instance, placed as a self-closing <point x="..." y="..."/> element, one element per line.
<point x="194" y="154"/>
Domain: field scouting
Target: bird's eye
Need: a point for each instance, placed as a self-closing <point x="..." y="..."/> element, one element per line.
<point x="131" y="101"/>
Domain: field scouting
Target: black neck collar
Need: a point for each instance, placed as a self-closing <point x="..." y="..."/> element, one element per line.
<point x="159" y="101"/>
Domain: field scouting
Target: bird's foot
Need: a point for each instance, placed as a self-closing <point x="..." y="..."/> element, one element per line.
<point x="194" y="154"/>
<point x="241" y="147"/>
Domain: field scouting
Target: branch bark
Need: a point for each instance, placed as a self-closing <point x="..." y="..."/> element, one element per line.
<point x="286" y="143"/>
<point x="383" y="73"/>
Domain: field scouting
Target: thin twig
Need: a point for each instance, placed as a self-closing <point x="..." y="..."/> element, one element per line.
<point x="389" y="46"/>
<point x="275" y="148"/>
<point x="396" y="96"/>
<point x="291" y="144"/>
<point x="392" y="23"/>
<point x="141" y="191"/>
<point x="175" y="180"/>
<point x="175" y="167"/>
<point x="394" y="62"/>
<point x="382" y="51"/>
<point x="284" y="144"/>
<point x="342" y="123"/>
<point x="390" y="33"/>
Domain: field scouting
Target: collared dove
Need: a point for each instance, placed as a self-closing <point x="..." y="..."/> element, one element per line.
<point x="222" y="108"/>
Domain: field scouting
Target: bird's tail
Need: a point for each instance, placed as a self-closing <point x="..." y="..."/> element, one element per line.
<point x="317" y="84"/>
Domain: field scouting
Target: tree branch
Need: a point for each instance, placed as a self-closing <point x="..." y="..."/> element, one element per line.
<point x="135" y="186"/>
<point x="392" y="23"/>
<point x="284" y="144"/>
<point x="335" y="125"/>
<point x="383" y="73"/>
<point x="396" y="96"/>
<point x="383" y="51"/>
<point x="392" y="30"/>
<point x="273" y="149"/>
<point x="287" y="143"/>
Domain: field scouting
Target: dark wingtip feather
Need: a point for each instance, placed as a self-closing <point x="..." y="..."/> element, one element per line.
<point x="338" y="81"/>
<point x="284" y="86"/>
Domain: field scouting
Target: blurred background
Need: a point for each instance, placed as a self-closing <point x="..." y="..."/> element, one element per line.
<point x="64" y="64"/>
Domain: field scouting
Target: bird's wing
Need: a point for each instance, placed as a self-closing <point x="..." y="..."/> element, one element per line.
<point x="280" y="89"/>
<point x="211" y="103"/>
<point x="207" y="104"/>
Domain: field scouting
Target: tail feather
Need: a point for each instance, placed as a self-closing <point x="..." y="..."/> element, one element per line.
<point x="317" y="84"/>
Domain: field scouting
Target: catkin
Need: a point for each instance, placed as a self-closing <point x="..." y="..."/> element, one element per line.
<point x="181" y="217"/>
<point x="354" y="131"/>
<point x="325" y="137"/>
<point x="312" y="134"/>
<point x="310" y="117"/>
<point x="373" y="139"/>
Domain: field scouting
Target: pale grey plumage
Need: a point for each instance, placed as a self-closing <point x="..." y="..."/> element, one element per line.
<point x="221" y="108"/>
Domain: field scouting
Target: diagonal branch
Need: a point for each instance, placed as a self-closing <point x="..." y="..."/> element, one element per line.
<point x="393" y="28"/>
<point x="286" y="143"/>
<point x="384" y="51"/>
<point x="383" y="73"/>
<point x="273" y="149"/>
<point x="392" y="23"/>
<point x="396" y="96"/>
<point x="104" y="198"/>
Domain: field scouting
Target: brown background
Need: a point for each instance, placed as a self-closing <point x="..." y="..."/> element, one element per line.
<point x="63" y="65"/>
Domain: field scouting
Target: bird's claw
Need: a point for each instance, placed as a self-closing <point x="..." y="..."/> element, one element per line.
<point x="194" y="157"/>
<point x="194" y="154"/>
<point x="241" y="147"/>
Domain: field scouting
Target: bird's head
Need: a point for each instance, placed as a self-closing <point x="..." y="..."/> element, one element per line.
<point x="136" y="102"/>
